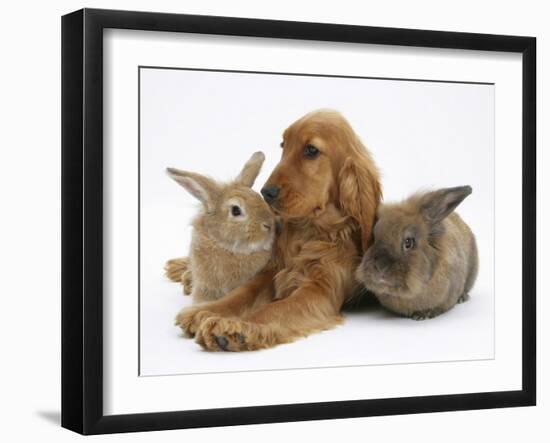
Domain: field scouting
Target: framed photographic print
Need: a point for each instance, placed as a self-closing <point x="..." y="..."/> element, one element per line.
<point x="268" y="221"/>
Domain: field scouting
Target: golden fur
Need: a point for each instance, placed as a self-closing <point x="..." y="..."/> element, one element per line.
<point x="327" y="207"/>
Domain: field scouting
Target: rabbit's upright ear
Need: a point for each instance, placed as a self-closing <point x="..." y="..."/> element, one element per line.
<point x="202" y="188"/>
<point x="437" y="205"/>
<point x="251" y="169"/>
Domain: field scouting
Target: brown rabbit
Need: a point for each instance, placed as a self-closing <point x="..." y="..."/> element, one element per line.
<point x="232" y="237"/>
<point x="424" y="257"/>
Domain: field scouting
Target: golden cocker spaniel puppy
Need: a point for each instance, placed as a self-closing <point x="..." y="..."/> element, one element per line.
<point x="325" y="190"/>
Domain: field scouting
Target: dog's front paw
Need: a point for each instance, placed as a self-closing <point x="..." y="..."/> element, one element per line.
<point x="190" y="319"/>
<point x="231" y="334"/>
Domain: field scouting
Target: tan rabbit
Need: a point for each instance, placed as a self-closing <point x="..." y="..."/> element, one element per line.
<point x="232" y="237"/>
<point x="424" y="257"/>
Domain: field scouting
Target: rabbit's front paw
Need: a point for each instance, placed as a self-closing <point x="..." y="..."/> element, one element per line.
<point x="426" y="314"/>
<point x="423" y="315"/>
<point x="419" y="315"/>
<point x="190" y="319"/>
<point x="187" y="282"/>
<point x="175" y="268"/>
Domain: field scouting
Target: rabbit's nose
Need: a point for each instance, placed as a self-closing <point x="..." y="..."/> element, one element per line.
<point x="382" y="263"/>
<point x="382" y="268"/>
<point x="270" y="193"/>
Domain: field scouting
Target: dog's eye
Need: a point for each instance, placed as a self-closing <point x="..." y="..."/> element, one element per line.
<point x="408" y="243"/>
<point x="235" y="211"/>
<point x="310" y="151"/>
<point x="282" y="144"/>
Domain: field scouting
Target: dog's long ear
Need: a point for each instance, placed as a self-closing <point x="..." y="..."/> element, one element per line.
<point x="202" y="188"/>
<point x="251" y="169"/>
<point x="360" y="192"/>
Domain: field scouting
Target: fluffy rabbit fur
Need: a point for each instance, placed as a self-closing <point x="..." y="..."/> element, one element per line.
<point x="232" y="237"/>
<point x="424" y="257"/>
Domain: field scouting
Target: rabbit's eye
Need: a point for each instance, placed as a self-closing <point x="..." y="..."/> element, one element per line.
<point x="235" y="211"/>
<point x="408" y="243"/>
<point x="310" y="151"/>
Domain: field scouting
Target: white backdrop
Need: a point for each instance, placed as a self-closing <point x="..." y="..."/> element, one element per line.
<point x="30" y="325"/>
<point x="421" y="134"/>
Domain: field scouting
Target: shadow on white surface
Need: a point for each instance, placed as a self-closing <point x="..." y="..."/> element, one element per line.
<point x="53" y="417"/>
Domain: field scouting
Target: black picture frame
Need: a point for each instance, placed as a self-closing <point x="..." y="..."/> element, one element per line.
<point x="82" y="220"/>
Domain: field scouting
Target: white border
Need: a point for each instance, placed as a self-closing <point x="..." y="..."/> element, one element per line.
<point x="125" y="392"/>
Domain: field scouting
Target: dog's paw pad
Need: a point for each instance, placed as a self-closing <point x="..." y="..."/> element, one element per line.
<point x="223" y="334"/>
<point x="240" y="338"/>
<point x="222" y="342"/>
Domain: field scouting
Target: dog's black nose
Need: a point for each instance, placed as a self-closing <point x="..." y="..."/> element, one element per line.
<point x="270" y="193"/>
